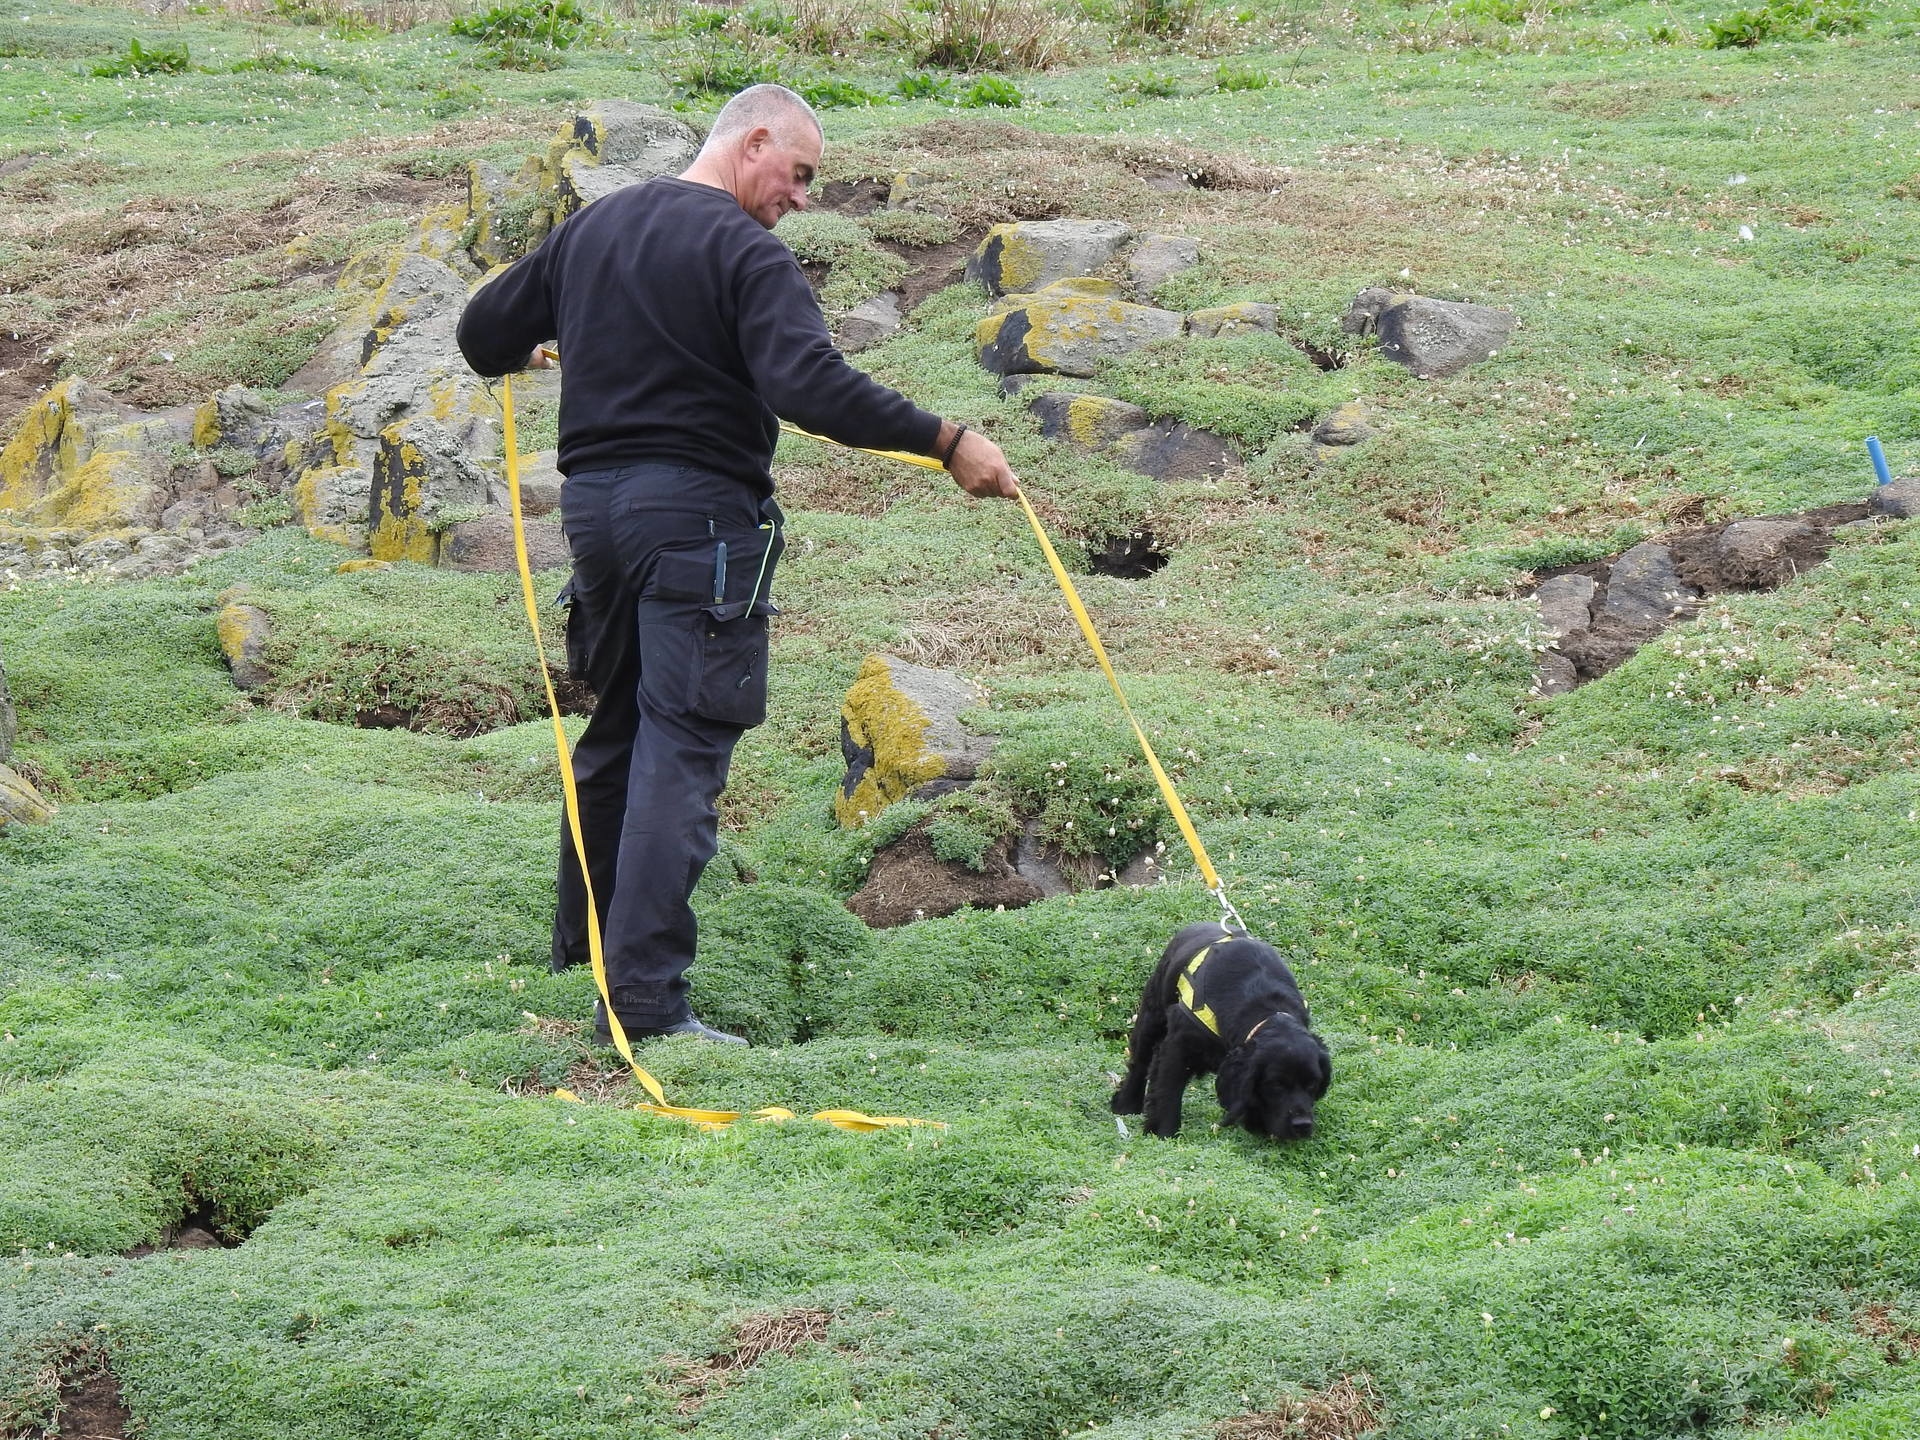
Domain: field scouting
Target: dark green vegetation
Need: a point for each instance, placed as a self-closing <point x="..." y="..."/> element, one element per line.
<point x="1621" y="987"/>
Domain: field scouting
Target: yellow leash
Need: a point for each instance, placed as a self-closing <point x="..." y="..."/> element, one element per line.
<point x="1215" y="886"/>
<point x="704" y="1119"/>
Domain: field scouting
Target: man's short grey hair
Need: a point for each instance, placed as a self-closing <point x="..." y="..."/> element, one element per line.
<point x="774" y="106"/>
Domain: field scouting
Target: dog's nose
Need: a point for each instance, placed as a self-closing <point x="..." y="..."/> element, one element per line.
<point x="1300" y="1129"/>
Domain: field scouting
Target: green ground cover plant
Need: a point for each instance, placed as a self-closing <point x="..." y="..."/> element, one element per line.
<point x="1621" y="986"/>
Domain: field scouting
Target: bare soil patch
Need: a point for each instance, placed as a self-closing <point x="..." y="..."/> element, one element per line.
<point x="91" y="1410"/>
<point x="1757" y="553"/>
<point x="933" y="267"/>
<point x="25" y="370"/>
<point x="909" y="882"/>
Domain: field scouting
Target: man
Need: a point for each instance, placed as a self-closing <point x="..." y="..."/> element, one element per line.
<point x="687" y="331"/>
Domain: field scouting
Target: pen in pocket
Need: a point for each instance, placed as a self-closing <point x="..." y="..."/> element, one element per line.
<point x="720" y="573"/>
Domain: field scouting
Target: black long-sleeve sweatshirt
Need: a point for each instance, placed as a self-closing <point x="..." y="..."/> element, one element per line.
<point x="686" y="331"/>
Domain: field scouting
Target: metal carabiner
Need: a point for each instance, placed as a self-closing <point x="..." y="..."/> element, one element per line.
<point x="1230" y="917"/>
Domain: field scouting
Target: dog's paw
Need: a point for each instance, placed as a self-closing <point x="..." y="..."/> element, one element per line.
<point x="1162" y="1128"/>
<point x="1125" y="1104"/>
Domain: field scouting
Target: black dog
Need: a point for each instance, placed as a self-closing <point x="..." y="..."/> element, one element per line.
<point x="1219" y="1000"/>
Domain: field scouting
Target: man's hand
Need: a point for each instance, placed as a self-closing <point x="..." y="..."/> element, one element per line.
<point x="980" y="469"/>
<point x="542" y="358"/>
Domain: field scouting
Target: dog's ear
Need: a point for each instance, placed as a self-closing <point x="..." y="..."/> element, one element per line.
<point x="1234" y="1086"/>
<point x="1324" y="1069"/>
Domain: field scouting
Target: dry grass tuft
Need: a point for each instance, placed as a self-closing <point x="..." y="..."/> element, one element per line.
<point x="984" y="172"/>
<point x="588" y="1077"/>
<point x="755" y="1336"/>
<point x="94" y="264"/>
<point x="1898" y="1339"/>
<point x="847" y="485"/>
<point x="1343" y="1411"/>
<point x="1026" y="629"/>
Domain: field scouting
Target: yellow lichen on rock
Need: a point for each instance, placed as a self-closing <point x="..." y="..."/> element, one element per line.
<point x="244" y="630"/>
<point x="206" y="424"/>
<point x="33" y="454"/>
<point x="1062" y="330"/>
<point x="20" y="803"/>
<point x="399" y="531"/>
<point x="366" y="273"/>
<point x="78" y="461"/>
<point x="440" y="234"/>
<point x="1225" y="319"/>
<point x="889" y="724"/>
<point x="231" y="626"/>
<point x="333" y="503"/>
<point x="1083" y="286"/>
<point x="1096" y="421"/>
<point x="1022" y="261"/>
<point x="107" y="493"/>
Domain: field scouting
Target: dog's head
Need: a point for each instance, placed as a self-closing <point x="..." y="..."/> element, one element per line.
<point x="1268" y="1083"/>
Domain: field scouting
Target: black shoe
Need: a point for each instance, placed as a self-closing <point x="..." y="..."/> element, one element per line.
<point x="603" y="1033"/>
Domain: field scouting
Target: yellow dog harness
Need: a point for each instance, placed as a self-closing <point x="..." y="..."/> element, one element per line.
<point x="1203" y="1013"/>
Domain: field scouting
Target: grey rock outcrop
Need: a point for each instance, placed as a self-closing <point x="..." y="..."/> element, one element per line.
<point x="613" y="144"/>
<point x="409" y="440"/>
<point x="1899" y="500"/>
<point x="1566" y="603"/>
<point x="1644" y="592"/>
<point x="1157" y="259"/>
<point x="1029" y="255"/>
<point x="1760" y="554"/>
<point x="540" y="485"/>
<point x="1126" y="434"/>
<point x="486" y="543"/>
<point x="1065" y="329"/>
<point x="870" y="322"/>
<point x="1432" y="338"/>
<point x="1226" y="319"/>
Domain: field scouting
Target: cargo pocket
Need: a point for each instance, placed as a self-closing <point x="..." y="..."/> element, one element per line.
<point x="703" y="628"/>
<point x="733" y="671"/>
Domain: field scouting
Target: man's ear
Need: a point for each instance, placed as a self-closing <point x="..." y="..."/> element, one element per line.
<point x="756" y="140"/>
<point x="1324" y="1069"/>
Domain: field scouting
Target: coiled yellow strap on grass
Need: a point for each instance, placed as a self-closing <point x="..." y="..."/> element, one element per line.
<point x="658" y="1105"/>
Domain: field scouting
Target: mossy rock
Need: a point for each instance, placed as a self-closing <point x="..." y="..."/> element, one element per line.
<point x="1069" y="334"/>
<point x="81" y="461"/>
<point x="1226" y="319"/>
<point x="20" y="803"/>
<point x="244" y="631"/>
<point x="612" y="144"/>
<point x="900" y="731"/>
<point x="1032" y="254"/>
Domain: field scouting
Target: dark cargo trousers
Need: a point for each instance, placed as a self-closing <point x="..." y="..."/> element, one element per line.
<point x="668" y="624"/>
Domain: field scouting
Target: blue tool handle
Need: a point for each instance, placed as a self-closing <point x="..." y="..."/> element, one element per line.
<point x="720" y="572"/>
<point x="1879" y="458"/>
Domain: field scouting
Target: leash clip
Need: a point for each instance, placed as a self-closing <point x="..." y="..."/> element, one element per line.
<point x="1227" y="912"/>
